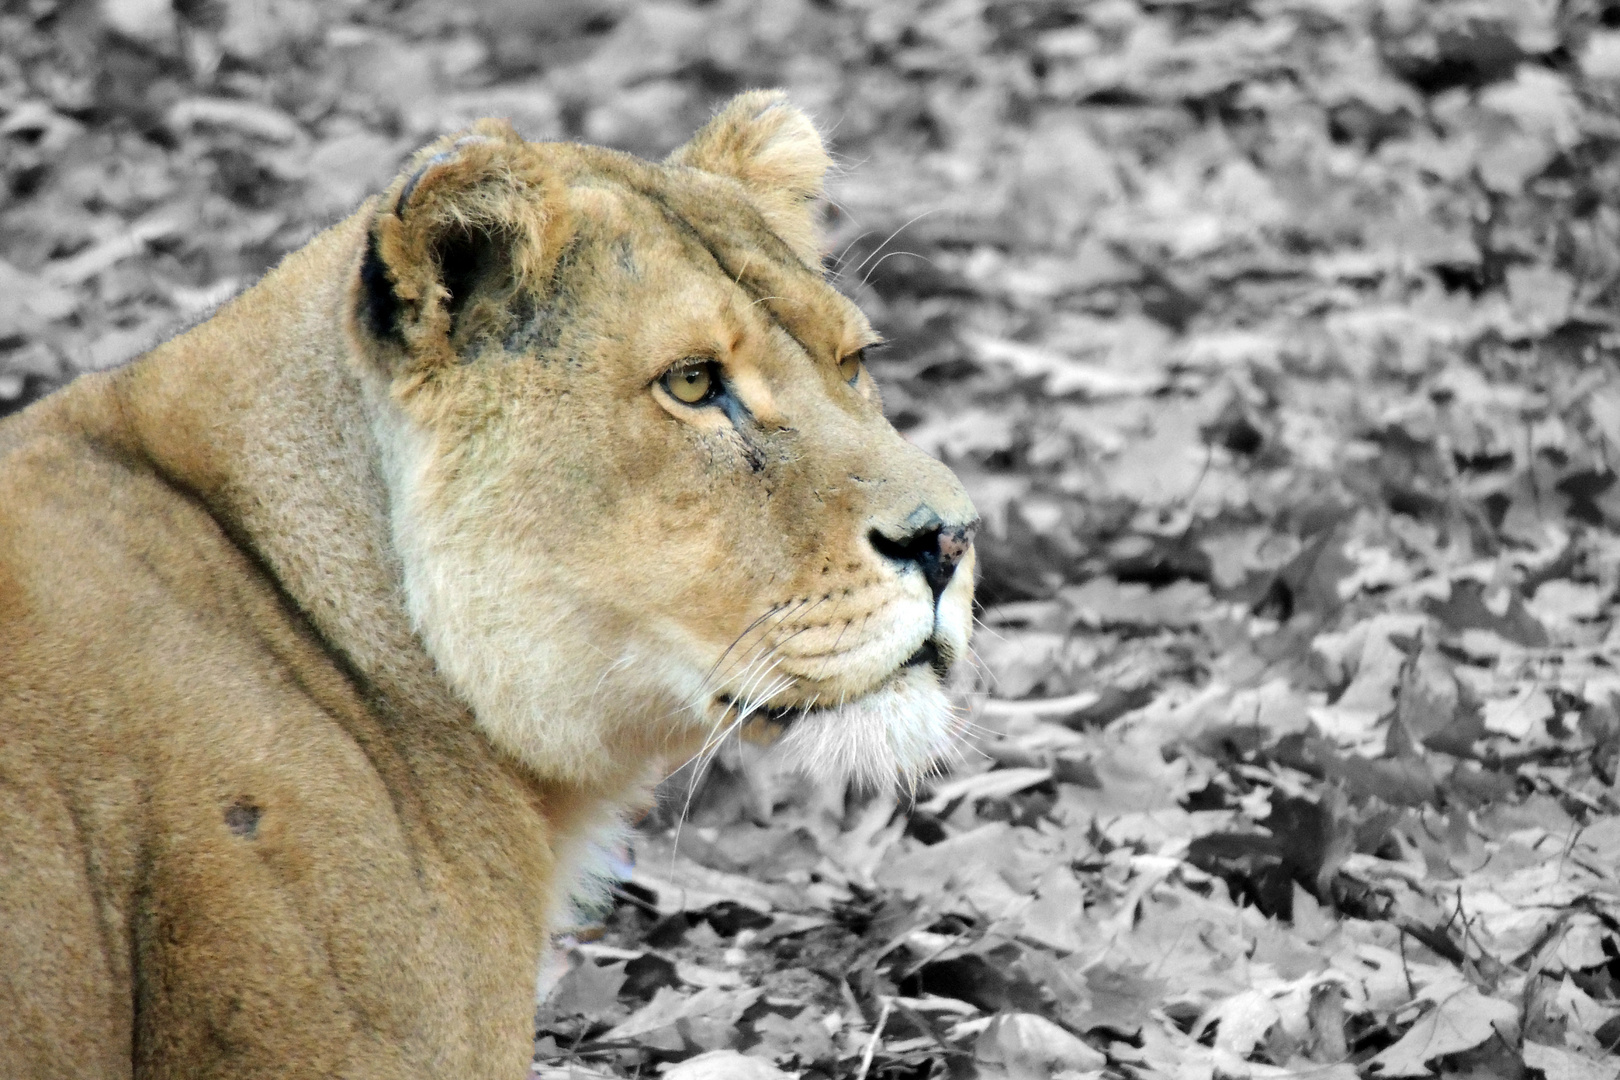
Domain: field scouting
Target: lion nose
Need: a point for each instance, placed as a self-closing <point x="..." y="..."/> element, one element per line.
<point x="934" y="547"/>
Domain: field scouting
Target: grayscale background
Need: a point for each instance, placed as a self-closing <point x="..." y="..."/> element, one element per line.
<point x="1275" y="340"/>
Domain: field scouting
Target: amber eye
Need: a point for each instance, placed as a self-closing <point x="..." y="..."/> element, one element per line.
<point x="692" y="382"/>
<point x="850" y="366"/>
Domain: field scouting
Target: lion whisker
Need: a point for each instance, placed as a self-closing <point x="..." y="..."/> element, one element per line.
<point x="773" y="610"/>
<point x="894" y="234"/>
<point x="838" y="259"/>
<point x="780" y="612"/>
<point x="987" y="628"/>
<point x="776" y="647"/>
<point x="706" y="755"/>
<point x="691" y="790"/>
<point x="889" y="256"/>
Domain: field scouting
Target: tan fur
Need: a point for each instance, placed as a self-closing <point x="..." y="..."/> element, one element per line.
<point x="333" y="631"/>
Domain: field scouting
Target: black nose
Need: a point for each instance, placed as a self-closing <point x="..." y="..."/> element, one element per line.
<point x="936" y="549"/>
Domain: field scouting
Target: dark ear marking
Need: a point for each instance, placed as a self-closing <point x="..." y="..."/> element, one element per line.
<point x="377" y="293"/>
<point x="467" y="257"/>
<point x="473" y="219"/>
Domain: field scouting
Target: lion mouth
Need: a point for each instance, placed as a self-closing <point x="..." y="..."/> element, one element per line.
<point x="927" y="653"/>
<point x="785" y="716"/>
<point x="777" y="716"/>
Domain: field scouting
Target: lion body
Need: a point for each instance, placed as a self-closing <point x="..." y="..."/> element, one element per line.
<point x="176" y="744"/>
<point x="333" y="631"/>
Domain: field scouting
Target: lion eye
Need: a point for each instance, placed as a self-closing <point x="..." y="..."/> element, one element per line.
<point x="850" y="366"/>
<point x="693" y="382"/>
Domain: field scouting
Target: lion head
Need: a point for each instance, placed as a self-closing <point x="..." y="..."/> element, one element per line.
<point x="642" y="487"/>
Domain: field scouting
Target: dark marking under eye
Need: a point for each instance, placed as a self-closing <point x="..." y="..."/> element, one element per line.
<point x="746" y="427"/>
<point x="242" y="818"/>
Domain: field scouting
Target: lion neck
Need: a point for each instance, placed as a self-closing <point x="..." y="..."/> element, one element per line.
<point x="258" y="412"/>
<point x="264" y="414"/>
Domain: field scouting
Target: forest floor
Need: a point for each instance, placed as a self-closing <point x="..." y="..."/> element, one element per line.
<point x="1276" y="342"/>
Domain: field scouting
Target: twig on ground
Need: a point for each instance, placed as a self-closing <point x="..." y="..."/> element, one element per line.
<point x="877" y="1036"/>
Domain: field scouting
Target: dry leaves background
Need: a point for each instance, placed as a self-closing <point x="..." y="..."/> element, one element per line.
<point x="1275" y="340"/>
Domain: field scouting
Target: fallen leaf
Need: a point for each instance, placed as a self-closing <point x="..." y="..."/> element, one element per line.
<point x="1520" y="715"/>
<point x="724" y="1065"/>
<point x="804" y="1037"/>
<point x="1023" y="1046"/>
<point x="996" y="784"/>
<point x="589" y="989"/>
<point x="1557" y="1063"/>
<point x="1057" y="916"/>
<point x="1243" y="1019"/>
<point x="1459" y="1021"/>
<point x="28" y="302"/>
<point x="713" y="1007"/>
<point x="1063" y="374"/>
<point x="1106" y="602"/>
<point x="1560" y="602"/>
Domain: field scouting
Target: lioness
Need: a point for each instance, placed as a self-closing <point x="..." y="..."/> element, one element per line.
<point x="334" y="630"/>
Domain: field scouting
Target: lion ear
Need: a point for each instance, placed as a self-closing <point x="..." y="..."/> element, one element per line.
<point x="472" y="218"/>
<point x="775" y="152"/>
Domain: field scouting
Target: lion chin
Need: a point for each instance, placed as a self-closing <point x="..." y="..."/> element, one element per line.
<point x="902" y="732"/>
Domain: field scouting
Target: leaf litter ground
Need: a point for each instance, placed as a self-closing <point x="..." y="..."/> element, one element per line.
<point x="1274" y="340"/>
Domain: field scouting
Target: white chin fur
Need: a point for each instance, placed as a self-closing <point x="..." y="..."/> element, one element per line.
<point x="900" y="732"/>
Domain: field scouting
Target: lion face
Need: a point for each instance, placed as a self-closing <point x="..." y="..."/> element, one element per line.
<point x="643" y="489"/>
